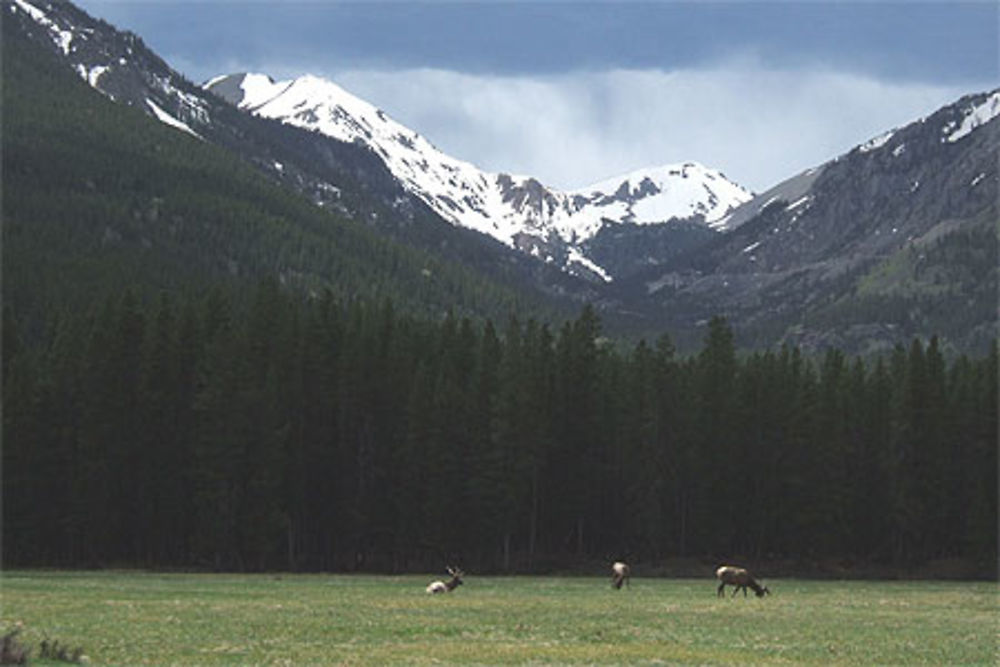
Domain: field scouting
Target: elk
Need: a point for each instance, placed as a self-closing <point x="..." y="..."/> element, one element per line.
<point x="447" y="586"/>
<point x="620" y="574"/>
<point x="739" y="578"/>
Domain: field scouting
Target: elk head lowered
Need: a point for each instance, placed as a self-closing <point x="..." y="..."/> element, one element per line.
<point x="739" y="578"/>
<point x="447" y="586"/>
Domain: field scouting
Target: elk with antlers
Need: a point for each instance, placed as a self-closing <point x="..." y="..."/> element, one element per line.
<point x="739" y="578"/>
<point x="447" y="586"/>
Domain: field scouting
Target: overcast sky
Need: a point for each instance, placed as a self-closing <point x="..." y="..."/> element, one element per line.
<point x="574" y="93"/>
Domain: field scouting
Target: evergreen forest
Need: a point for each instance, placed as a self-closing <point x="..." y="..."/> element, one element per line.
<point x="281" y="432"/>
<point x="204" y="370"/>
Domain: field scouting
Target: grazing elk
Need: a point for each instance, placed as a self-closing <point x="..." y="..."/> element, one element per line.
<point x="738" y="578"/>
<point x="447" y="586"/>
<point x="620" y="574"/>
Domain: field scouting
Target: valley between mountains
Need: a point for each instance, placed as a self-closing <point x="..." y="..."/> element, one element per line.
<point x="258" y="325"/>
<point x="893" y="239"/>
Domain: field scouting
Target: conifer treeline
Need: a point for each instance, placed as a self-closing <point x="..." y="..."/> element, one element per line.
<point x="320" y="435"/>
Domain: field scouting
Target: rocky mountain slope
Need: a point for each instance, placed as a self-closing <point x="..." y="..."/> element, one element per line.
<point x="119" y="64"/>
<point x="864" y="248"/>
<point x="519" y="211"/>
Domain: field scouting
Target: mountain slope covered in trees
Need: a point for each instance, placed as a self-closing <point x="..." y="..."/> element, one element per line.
<point x="98" y="196"/>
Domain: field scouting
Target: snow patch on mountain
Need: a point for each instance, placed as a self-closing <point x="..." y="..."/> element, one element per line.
<point x="99" y="58"/>
<point x="62" y="38"/>
<point x="974" y="117"/>
<point x="167" y="119"/>
<point x="799" y="202"/>
<point x="656" y="195"/>
<point x="91" y="75"/>
<point x="577" y="257"/>
<point x="876" y="142"/>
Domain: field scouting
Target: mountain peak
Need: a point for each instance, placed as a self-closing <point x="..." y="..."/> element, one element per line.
<point x="506" y="207"/>
<point x="230" y="87"/>
<point x="682" y="190"/>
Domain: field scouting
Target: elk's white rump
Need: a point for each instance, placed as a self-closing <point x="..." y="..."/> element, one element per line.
<point x="620" y="574"/>
<point x="446" y="586"/>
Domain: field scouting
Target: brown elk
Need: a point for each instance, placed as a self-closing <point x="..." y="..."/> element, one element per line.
<point x="447" y="586"/>
<point x="739" y="578"/>
<point x="620" y="574"/>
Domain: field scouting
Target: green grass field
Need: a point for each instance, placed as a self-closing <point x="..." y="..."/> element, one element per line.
<point x="131" y="618"/>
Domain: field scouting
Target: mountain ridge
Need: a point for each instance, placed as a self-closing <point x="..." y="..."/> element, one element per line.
<point x="806" y="262"/>
<point x="517" y="210"/>
<point x="347" y="178"/>
<point x="100" y="198"/>
<point x="893" y="239"/>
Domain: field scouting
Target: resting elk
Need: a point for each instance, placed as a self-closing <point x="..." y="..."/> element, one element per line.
<point x="447" y="586"/>
<point x="620" y="574"/>
<point x="738" y="578"/>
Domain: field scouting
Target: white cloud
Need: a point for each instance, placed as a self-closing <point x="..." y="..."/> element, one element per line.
<point x="757" y="125"/>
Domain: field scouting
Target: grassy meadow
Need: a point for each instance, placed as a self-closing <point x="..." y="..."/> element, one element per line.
<point x="135" y="618"/>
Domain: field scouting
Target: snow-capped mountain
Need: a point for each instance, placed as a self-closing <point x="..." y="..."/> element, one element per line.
<point x="519" y="211"/>
<point x="345" y="177"/>
<point x="558" y="227"/>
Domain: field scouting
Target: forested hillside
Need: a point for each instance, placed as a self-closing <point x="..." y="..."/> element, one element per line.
<point x="98" y="196"/>
<point x="323" y="434"/>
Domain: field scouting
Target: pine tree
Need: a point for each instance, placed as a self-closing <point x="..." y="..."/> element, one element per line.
<point x="112" y="476"/>
<point x="157" y="387"/>
<point x="713" y="512"/>
<point x="25" y="464"/>
<point x="576" y="466"/>
<point x="221" y="433"/>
